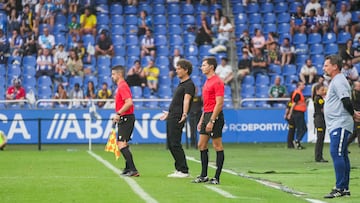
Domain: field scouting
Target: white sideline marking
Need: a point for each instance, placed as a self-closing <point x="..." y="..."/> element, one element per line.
<point x="220" y="191"/>
<point x="132" y="183"/>
<point x="251" y="178"/>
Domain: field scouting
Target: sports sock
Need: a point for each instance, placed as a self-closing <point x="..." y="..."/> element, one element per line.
<point x="219" y="163"/>
<point x="128" y="157"/>
<point x="204" y="162"/>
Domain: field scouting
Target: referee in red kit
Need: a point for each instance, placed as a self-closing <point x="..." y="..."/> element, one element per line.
<point x="124" y="118"/>
<point x="211" y="122"/>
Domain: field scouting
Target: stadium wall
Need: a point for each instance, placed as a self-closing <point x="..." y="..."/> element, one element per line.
<point x="76" y="126"/>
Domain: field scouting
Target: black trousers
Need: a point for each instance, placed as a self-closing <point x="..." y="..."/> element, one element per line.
<point x="291" y="133"/>
<point x="300" y="125"/>
<point x="320" y="127"/>
<point x="194" y="120"/>
<point x="174" y="134"/>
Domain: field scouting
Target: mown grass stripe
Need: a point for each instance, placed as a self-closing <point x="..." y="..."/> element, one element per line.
<point x="132" y="183"/>
<point x="220" y="191"/>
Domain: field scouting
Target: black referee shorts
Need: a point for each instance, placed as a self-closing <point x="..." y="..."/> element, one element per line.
<point x="218" y="125"/>
<point x="125" y="127"/>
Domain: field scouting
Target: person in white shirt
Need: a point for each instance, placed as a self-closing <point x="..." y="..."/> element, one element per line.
<point x="313" y="4"/>
<point x="224" y="71"/>
<point x="60" y="53"/>
<point x="223" y="36"/>
<point x="76" y="93"/>
<point x="287" y="51"/>
<point x="46" y="40"/>
<point x="148" y="45"/>
<point x="308" y="72"/>
<point x="342" y="20"/>
<point x="45" y="64"/>
<point x="322" y="21"/>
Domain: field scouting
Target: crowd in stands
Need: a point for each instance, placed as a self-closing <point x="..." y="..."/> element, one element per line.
<point x="64" y="49"/>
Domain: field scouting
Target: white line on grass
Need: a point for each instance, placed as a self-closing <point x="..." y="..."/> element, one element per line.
<point x="132" y="183"/>
<point x="264" y="182"/>
<point x="220" y="191"/>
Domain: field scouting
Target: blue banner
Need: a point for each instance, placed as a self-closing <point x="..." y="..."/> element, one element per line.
<point x="76" y="126"/>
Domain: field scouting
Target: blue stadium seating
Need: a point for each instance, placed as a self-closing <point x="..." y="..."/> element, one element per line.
<point x="299" y="38"/>
<point x="300" y="59"/>
<point x="160" y="40"/>
<point x="117" y="60"/>
<point x="136" y="92"/>
<point x="331" y="48"/>
<point x="355" y="16"/>
<point x="241" y="18"/>
<point x="29" y="70"/>
<point x="252" y="8"/>
<point x="175" y="29"/>
<point x="88" y="39"/>
<point x="173" y="8"/>
<point x="131" y="20"/>
<point x="44" y="81"/>
<point x="160" y="30"/>
<point x="130" y="9"/>
<point x="187" y="9"/>
<point x="237" y="8"/>
<point x="116" y="8"/>
<point x="131" y="40"/>
<point x="314" y="38"/>
<point x="329" y="37"/>
<point x="254" y="18"/>
<point x="29" y="60"/>
<point x="117" y="19"/>
<point x="89" y="78"/>
<point x="13" y="70"/>
<point x="118" y="40"/>
<point x="162" y="61"/>
<point x="201" y="8"/>
<point x="175" y="40"/>
<point x="144" y="6"/>
<point x="102" y="19"/>
<point x="60" y="29"/>
<point x="131" y="29"/>
<point x="60" y="19"/>
<point x="188" y="20"/>
<point x="189" y="39"/>
<point x="103" y="71"/>
<point x="248" y="80"/>
<point x="262" y="80"/>
<point x="117" y="30"/>
<point x="261" y="90"/>
<point x="159" y="19"/>
<point x="283" y="17"/>
<point x="274" y="69"/>
<point x="301" y="49"/>
<point x="119" y="50"/>
<point x="293" y="5"/>
<point x="266" y="7"/>
<point x="291" y="79"/>
<point x="133" y="50"/>
<point x="316" y="49"/>
<point x="343" y="37"/>
<point x="269" y="27"/>
<point x="162" y="51"/>
<point x="318" y="59"/>
<point x="269" y="18"/>
<point x="204" y="50"/>
<point x="158" y="9"/>
<point x="280" y="7"/>
<point x="289" y="69"/>
<point x="174" y="19"/>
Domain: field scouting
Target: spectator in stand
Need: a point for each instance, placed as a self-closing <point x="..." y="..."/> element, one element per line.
<point x="8" y="5"/>
<point x="258" y="41"/>
<point x="311" y="22"/>
<point x="350" y="72"/>
<point x="357" y="52"/>
<point x="259" y="64"/>
<point x="136" y="75"/>
<point x="74" y="26"/>
<point x="30" y="47"/>
<point x="330" y="9"/>
<point x="224" y="71"/>
<point x="16" y="43"/>
<point x="60" y="53"/>
<point x="28" y="21"/>
<point x="104" y="93"/>
<point x="342" y="20"/>
<point x="60" y="94"/>
<point x="203" y="16"/>
<point x="50" y="13"/>
<point x="46" y="40"/>
<point x="148" y="45"/>
<point x="61" y="69"/>
<point x="144" y="23"/>
<point x="355" y="28"/>
<point x="246" y="39"/>
<point x="88" y="23"/>
<point x="298" y="21"/>
<point x="75" y="64"/>
<point x="348" y="53"/>
<point x="312" y="4"/>
<point x="216" y="20"/>
<point x="13" y="20"/>
<point x="273" y="54"/>
<point x="244" y="65"/>
<point x="308" y="72"/>
<point x="277" y="90"/>
<point x="287" y="52"/>
<point x="90" y="91"/>
<point x="73" y="42"/>
<point x="173" y="61"/>
<point x="152" y="75"/>
<point x="4" y="48"/>
<point x="73" y="6"/>
<point x="40" y="12"/>
<point x="223" y="37"/>
<point x="60" y="6"/>
<point x="322" y="21"/>
<point x="45" y="64"/>
<point x="16" y="92"/>
<point x="76" y="93"/>
<point x="272" y="37"/>
<point x="204" y="34"/>
<point x="132" y="2"/>
<point x="104" y="46"/>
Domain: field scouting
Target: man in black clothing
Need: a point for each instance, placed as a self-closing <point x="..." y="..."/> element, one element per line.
<point x="244" y="65"/>
<point x="176" y="117"/>
<point x="355" y="99"/>
<point x="104" y="45"/>
<point x="195" y="114"/>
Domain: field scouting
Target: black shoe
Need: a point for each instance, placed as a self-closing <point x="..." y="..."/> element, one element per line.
<point x="200" y="179"/>
<point x="125" y="171"/>
<point x="335" y="193"/>
<point x="347" y="193"/>
<point x="132" y="174"/>
<point x="214" y="181"/>
<point x="322" y="161"/>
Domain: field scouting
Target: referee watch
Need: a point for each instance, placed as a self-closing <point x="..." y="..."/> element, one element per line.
<point x="212" y="121"/>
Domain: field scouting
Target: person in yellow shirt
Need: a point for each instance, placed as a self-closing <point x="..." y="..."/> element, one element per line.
<point x="152" y="75"/>
<point x="88" y="23"/>
<point x="3" y="140"/>
<point x="104" y="93"/>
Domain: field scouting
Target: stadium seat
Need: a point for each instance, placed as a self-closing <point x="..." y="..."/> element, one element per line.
<point x="238" y="8"/>
<point x="131" y="40"/>
<point x="252" y="8"/>
<point x="117" y="19"/>
<point x="160" y="40"/>
<point x="29" y="70"/>
<point x="44" y="92"/>
<point x="280" y="7"/>
<point x="318" y="59"/>
<point x="153" y="104"/>
<point x="261" y="90"/>
<point x="117" y="30"/>
<point x="118" y="40"/>
<point x="103" y="61"/>
<point x="60" y="29"/>
<point x="239" y="29"/>
<point x="300" y="38"/>
<point x="201" y="8"/>
<point x="117" y="60"/>
<point x="301" y="49"/>
<point x="187" y="9"/>
<point x="241" y="18"/>
<point x="28" y="80"/>
<point x="248" y="80"/>
<point x="60" y="19"/>
<point x="195" y="63"/>
<point x="174" y="20"/>
<point x="283" y="17"/>
<point x="133" y="50"/>
<point x="162" y="61"/>
<point x="291" y="79"/>
<point x="181" y="49"/>
<point x="269" y="18"/>
<point x="116" y="8"/>
<point x="103" y="71"/>
<point x="144" y="6"/>
<point x="191" y="50"/>
<point x="131" y="59"/>
<point x="283" y="28"/>
<point x="329" y="37"/>
<point x="293" y="5"/>
<point x="44" y="81"/>
<point x="188" y="20"/>
<point x="254" y="18"/>
<point x="266" y="7"/>
<point x="136" y="91"/>
<point x="164" y="91"/>
<point x="269" y="27"/>
<point x="289" y="69"/>
<point x="189" y="39"/>
<point x="175" y="40"/>
<point x="314" y="38"/>
<point x="160" y="30"/>
<point x="274" y="69"/>
<point x="343" y="37"/>
<point x="89" y="78"/>
<point x="130" y="9"/>
<point x="262" y="80"/>
<point x="204" y="50"/>
<point x="13" y="70"/>
<point x="247" y="90"/>
<point x="131" y="20"/>
<point x="29" y="61"/>
<point x="300" y="59"/>
<point x="307" y="91"/>
<point x="131" y="29"/>
<point x="355" y="16"/>
<point x="175" y="29"/>
<point x="316" y="49"/>
<point x="88" y="38"/>
<point x="77" y="79"/>
<point x="173" y="8"/>
<point x="159" y="19"/>
<point x="331" y="48"/>
<point x="102" y="19"/>
<point x="213" y="7"/>
<point x="162" y="51"/>
<point x="119" y="50"/>
<point x="273" y="77"/>
<point x="158" y="9"/>
<point x="107" y="80"/>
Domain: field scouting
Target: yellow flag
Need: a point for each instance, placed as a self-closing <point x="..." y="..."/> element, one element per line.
<point x="111" y="145"/>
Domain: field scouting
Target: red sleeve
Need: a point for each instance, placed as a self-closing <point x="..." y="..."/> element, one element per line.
<point x="22" y="93"/>
<point x="219" y="88"/>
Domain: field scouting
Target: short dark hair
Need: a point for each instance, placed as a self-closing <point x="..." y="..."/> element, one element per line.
<point x="211" y="61"/>
<point x="119" y="68"/>
<point x="335" y="59"/>
<point x="185" y="64"/>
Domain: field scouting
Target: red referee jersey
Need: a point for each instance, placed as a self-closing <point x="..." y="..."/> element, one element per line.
<point x="123" y="92"/>
<point x="212" y="88"/>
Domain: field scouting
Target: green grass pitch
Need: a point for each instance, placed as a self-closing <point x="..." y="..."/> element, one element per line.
<point x="68" y="173"/>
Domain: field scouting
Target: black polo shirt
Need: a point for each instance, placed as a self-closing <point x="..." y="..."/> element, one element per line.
<point x="177" y="103"/>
